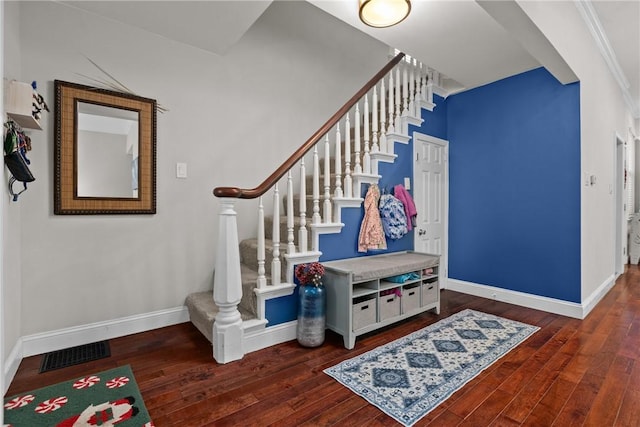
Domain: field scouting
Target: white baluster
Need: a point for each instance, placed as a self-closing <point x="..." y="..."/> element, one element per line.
<point x="348" y="183"/>
<point x="358" y="167"/>
<point x="430" y="87"/>
<point x="327" y="181"/>
<point x="383" y="118"/>
<point x="412" y="90"/>
<point x="302" y="230"/>
<point x="275" y="263"/>
<point x="261" y="282"/>
<point x="397" y="123"/>
<point x="366" y="158"/>
<point x="374" y="121"/>
<point x="316" y="187"/>
<point x="405" y="92"/>
<point x="391" y="128"/>
<point x="424" y="83"/>
<point x="421" y="85"/>
<point x="338" y="163"/>
<point x="228" y="334"/>
<point x="418" y="98"/>
<point x="291" y="248"/>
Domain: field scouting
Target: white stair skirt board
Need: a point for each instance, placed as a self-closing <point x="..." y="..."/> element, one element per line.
<point x="415" y="121"/>
<point x="427" y="105"/>
<point x="400" y="138"/>
<point x="536" y="302"/>
<point x="270" y="336"/>
<point x="383" y="157"/>
<point x="267" y="293"/>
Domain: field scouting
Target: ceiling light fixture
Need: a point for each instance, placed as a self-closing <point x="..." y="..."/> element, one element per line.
<point x="384" y="13"/>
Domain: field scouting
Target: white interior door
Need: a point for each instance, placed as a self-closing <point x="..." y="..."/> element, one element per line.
<point x="431" y="196"/>
<point x="620" y="210"/>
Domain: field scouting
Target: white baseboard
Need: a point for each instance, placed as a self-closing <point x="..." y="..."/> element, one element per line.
<point x="551" y="305"/>
<point x="70" y="337"/>
<point x="270" y="336"/>
<point x="92" y="332"/>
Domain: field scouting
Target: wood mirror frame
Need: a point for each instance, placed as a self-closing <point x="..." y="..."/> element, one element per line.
<point x="66" y="198"/>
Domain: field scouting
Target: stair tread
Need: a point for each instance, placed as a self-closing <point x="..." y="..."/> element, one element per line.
<point x="253" y="243"/>
<point x="204" y="301"/>
<point x="250" y="275"/>
<point x="203" y="310"/>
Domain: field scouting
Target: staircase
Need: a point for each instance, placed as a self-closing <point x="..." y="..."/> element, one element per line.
<point x="329" y="173"/>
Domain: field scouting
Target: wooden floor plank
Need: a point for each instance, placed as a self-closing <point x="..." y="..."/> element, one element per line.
<point x="571" y="372"/>
<point x="606" y="405"/>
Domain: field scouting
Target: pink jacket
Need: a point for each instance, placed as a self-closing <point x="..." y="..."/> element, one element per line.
<point x="371" y="235"/>
<point x="409" y="207"/>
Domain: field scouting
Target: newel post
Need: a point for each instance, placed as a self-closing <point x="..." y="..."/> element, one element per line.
<point x="227" y="288"/>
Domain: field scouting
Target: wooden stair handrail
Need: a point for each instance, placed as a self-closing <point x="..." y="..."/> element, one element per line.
<point x="252" y="193"/>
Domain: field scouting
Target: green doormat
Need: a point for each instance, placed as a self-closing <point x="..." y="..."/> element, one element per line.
<point x="104" y="399"/>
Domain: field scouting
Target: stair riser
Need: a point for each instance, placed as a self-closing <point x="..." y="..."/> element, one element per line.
<point x="309" y="211"/>
<point x="284" y="232"/>
<point x="248" y="300"/>
<point x="249" y="256"/>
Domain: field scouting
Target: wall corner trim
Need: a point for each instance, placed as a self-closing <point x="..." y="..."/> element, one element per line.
<point x="592" y="21"/>
<point x="592" y="300"/>
<point x="11" y="365"/>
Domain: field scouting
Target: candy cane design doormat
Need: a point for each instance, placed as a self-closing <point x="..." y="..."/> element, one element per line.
<point x="106" y="398"/>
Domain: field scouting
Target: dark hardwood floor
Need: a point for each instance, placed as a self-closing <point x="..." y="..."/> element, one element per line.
<point x="569" y="373"/>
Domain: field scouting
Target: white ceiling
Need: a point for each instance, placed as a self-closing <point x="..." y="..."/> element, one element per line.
<point x="461" y="38"/>
<point x="478" y="42"/>
<point x="214" y="26"/>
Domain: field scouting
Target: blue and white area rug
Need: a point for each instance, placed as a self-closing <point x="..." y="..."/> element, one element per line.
<point x="412" y="375"/>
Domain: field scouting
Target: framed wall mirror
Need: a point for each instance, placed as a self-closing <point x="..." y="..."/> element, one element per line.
<point x="105" y="151"/>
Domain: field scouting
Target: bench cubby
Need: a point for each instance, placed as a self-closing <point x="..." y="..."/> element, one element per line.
<point x="367" y="293"/>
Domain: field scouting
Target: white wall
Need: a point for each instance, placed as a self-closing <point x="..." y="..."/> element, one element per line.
<point x="233" y="119"/>
<point x="11" y="220"/>
<point x="603" y="114"/>
<point x="2" y="208"/>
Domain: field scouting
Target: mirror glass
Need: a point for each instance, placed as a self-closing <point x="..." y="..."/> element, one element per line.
<point x="105" y="151"/>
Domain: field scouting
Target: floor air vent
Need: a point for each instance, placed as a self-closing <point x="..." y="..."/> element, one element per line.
<point x="75" y="355"/>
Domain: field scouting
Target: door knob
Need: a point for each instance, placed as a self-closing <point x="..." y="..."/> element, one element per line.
<point x="422" y="232"/>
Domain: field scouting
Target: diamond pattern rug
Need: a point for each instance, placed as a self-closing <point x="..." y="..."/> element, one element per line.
<point x="412" y="375"/>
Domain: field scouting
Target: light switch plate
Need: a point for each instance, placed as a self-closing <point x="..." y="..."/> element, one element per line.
<point x="407" y="183"/>
<point x="181" y="170"/>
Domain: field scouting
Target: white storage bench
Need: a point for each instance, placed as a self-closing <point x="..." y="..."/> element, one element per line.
<point x="361" y="298"/>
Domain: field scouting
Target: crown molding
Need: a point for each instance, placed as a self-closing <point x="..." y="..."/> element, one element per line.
<point x="590" y="16"/>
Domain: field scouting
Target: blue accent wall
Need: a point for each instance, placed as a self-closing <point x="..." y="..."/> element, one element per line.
<point x="514" y="194"/>
<point x="282" y="310"/>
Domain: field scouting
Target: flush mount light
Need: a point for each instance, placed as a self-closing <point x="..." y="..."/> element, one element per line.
<point x="384" y="13"/>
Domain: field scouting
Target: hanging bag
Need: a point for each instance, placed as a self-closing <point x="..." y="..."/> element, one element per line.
<point x="17" y="163"/>
<point x="394" y="220"/>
